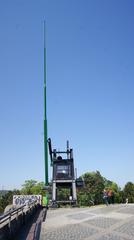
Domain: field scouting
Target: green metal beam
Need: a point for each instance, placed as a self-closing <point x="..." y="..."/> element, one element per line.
<point x="45" y="115"/>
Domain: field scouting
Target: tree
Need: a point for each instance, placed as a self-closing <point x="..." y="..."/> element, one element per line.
<point x="27" y="187"/>
<point x="32" y="187"/>
<point x="7" y="199"/>
<point x="92" y="192"/>
<point x="38" y="188"/>
<point x="129" y="192"/>
<point x="109" y="185"/>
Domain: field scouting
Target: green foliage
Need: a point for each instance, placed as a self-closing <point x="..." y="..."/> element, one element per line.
<point x="92" y="192"/>
<point x="119" y="197"/>
<point x="83" y="198"/>
<point x="111" y="185"/>
<point x="63" y="194"/>
<point x="129" y="192"/>
<point x="7" y="199"/>
<point x="38" y="188"/>
<point x="27" y="187"/>
<point x="32" y="187"/>
<point x="94" y="186"/>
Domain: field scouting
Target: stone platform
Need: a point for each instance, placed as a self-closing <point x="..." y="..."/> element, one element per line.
<point x="115" y="222"/>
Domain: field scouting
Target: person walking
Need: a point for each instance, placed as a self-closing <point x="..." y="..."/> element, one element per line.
<point x="110" y="196"/>
<point x="105" y="197"/>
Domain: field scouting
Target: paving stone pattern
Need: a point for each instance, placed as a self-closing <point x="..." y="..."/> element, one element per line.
<point x="105" y="210"/>
<point x="127" y="228"/>
<point x="72" y="232"/>
<point x="127" y="210"/>
<point x="112" y="237"/>
<point x="80" y="216"/>
<point x="96" y="223"/>
<point x="102" y="222"/>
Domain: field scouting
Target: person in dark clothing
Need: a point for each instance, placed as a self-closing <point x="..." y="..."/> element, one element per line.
<point x="105" y="197"/>
<point x="110" y="196"/>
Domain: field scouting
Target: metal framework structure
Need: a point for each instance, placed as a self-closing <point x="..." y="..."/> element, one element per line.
<point x="63" y="169"/>
<point x="63" y="175"/>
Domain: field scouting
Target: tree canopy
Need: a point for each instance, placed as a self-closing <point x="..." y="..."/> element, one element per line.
<point x="91" y="193"/>
<point x="95" y="183"/>
<point x="32" y="187"/>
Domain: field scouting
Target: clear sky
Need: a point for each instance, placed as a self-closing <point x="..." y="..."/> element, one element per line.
<point x="90" y="86"/>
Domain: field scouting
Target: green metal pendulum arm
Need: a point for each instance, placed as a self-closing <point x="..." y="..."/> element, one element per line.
<point x="45" y="117"/>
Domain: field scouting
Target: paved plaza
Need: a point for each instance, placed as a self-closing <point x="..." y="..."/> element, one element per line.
<point x="115" y="222"/>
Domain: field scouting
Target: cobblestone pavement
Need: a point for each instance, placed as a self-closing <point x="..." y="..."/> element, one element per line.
<point x="115" y="222"/>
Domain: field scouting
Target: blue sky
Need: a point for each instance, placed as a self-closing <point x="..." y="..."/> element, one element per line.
<point x="90" y="71"/>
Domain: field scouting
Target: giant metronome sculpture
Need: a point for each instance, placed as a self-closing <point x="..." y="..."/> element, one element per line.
<point x="63" y="175"/>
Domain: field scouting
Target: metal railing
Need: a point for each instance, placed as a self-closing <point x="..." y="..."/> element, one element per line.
<point x="14" y="213"/>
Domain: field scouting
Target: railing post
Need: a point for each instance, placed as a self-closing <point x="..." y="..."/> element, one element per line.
<point x="17" y="215"/>
<point x="9" y="224"/>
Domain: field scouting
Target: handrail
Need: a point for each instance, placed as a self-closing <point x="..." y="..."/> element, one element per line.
<point x="7" y="216"/>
